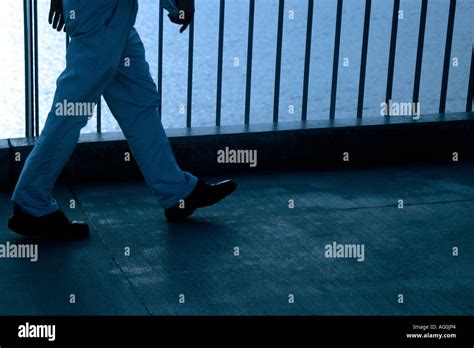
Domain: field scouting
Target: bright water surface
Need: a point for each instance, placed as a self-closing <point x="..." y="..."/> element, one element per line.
<point x="52" y="52"/>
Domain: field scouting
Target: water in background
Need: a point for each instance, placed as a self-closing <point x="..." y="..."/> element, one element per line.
<point x="52" y="62"/>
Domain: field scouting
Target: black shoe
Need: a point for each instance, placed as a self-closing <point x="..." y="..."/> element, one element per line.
<point x="203" y="195"/>
<point x="53" y="226"/>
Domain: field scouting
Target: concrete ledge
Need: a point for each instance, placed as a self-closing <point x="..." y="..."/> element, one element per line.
<point x="311" y="144"/>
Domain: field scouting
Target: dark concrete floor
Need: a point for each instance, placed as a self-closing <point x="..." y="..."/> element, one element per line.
<point x="407" y="251"/>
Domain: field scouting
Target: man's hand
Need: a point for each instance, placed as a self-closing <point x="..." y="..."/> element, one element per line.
<point x="56" y="15"/>
<point x="184" y="15"/>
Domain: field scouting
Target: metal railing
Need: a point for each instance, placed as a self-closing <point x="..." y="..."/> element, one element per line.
<point x="30" y="17"/>
<point x="31" y="62"/>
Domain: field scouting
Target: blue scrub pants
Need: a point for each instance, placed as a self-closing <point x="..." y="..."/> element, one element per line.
<point x="105" y="57"/>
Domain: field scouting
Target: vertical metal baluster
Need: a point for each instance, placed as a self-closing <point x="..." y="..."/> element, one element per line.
<point x="28" y="44"/>
<point x="335" y="67"/>
<point x="35" y="60"/>
<point x="447" y="57"/>
<point x="276" y="97"/>
<point x="393" y="48"/>
<point x="190" y="75"/>
<point x="220" y="58"/>
<point x="99" y="115"/>
<point x="363" y="59"/>
<point x="249" y="61"/>
<point x="419" y="54"/>
<point x="307" y="63"/>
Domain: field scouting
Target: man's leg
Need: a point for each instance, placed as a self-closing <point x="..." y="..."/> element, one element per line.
<point x="133" y="99"/>
<point x="98" y="33"/>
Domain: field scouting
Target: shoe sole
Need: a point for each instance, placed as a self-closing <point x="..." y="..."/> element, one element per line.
<point x="25" y="232"/>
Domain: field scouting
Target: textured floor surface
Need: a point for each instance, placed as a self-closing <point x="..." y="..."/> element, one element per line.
<point x="408" y="251"/>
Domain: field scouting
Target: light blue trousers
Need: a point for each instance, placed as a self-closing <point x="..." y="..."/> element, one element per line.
<point x="105" y="57"/>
